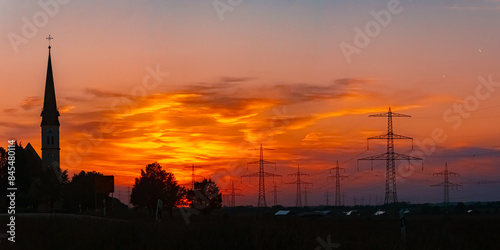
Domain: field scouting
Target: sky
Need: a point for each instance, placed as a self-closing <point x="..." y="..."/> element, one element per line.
<point x="202" y="82"/>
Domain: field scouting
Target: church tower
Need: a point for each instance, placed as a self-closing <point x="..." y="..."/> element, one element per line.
<point x="50" y="124"/>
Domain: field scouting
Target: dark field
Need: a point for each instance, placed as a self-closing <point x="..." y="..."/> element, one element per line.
<point x="255" y="230"/>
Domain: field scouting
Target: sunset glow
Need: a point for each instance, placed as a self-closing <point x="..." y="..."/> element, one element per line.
<point x="171" y="82"/>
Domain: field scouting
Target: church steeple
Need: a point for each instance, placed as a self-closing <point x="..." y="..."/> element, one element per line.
<point x="49" y="113"/>
<point x="50" y="124"/>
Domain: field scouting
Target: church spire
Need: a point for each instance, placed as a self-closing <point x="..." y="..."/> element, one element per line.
<point x="50" y="125"/>
<point x="49" y="112"/>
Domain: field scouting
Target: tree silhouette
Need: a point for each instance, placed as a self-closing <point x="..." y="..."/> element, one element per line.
<point x="205" y="197"/>
<point x="27" y="177"/>
<point x="153" y="184"/>
<point x="81" y="194"/>
<point x="51" y="190"/>
<point x="3" y="177"/>
<point x="460" y="208"/>
<point x="34" y="185"/>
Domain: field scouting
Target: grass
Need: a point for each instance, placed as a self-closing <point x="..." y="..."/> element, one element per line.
<point x="252" y="229"/>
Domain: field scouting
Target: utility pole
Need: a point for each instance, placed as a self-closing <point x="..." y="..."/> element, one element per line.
<point x="446" y="184"/>
<point x="299" y="184"/>
<point x="337" y="177"/>
<point x="390" y="156"/>
<point x="261" y="174"/>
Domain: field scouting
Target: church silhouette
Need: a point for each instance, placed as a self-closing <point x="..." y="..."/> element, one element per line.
<point x="38" y="179"/>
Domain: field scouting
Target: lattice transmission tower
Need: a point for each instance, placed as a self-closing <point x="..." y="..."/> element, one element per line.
<point x="299" y="183"/>
<point x="327" y="195"/>
<point x="233" y="194"/>
<point x="446" y="184"/>
<point x="262" y="174"/>
<point x="193" y="176"/>
<point x="337" y="177"/>
<point x="275" y="192"/>
<point x="306" y="191"/>
<point x="390" y="156"/>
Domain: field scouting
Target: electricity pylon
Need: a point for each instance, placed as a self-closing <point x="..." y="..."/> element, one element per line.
<point x="225" y="200"/>
<point x="446" y="184"/>
<point x="299" y="184"/>
<point x="390" y="156"/>
<point x="275" y="193"/>
<point x="337" y="177"/>
<point x="327" y="195"/>
<point x="261" y="174"/>
<point x="305" y="195"/>
<point x="193" y="175"/>
<point x="232" y="201"/>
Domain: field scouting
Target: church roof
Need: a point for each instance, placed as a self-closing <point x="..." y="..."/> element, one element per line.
<point x="33" y="160"/>
<point x="49" y="112"/>
<point x="30" y="150"/>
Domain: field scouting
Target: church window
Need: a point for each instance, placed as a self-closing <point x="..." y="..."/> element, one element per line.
<point x="50" y="137"/>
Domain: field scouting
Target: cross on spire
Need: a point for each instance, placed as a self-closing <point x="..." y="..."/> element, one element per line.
<point x="49" y="38"/>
